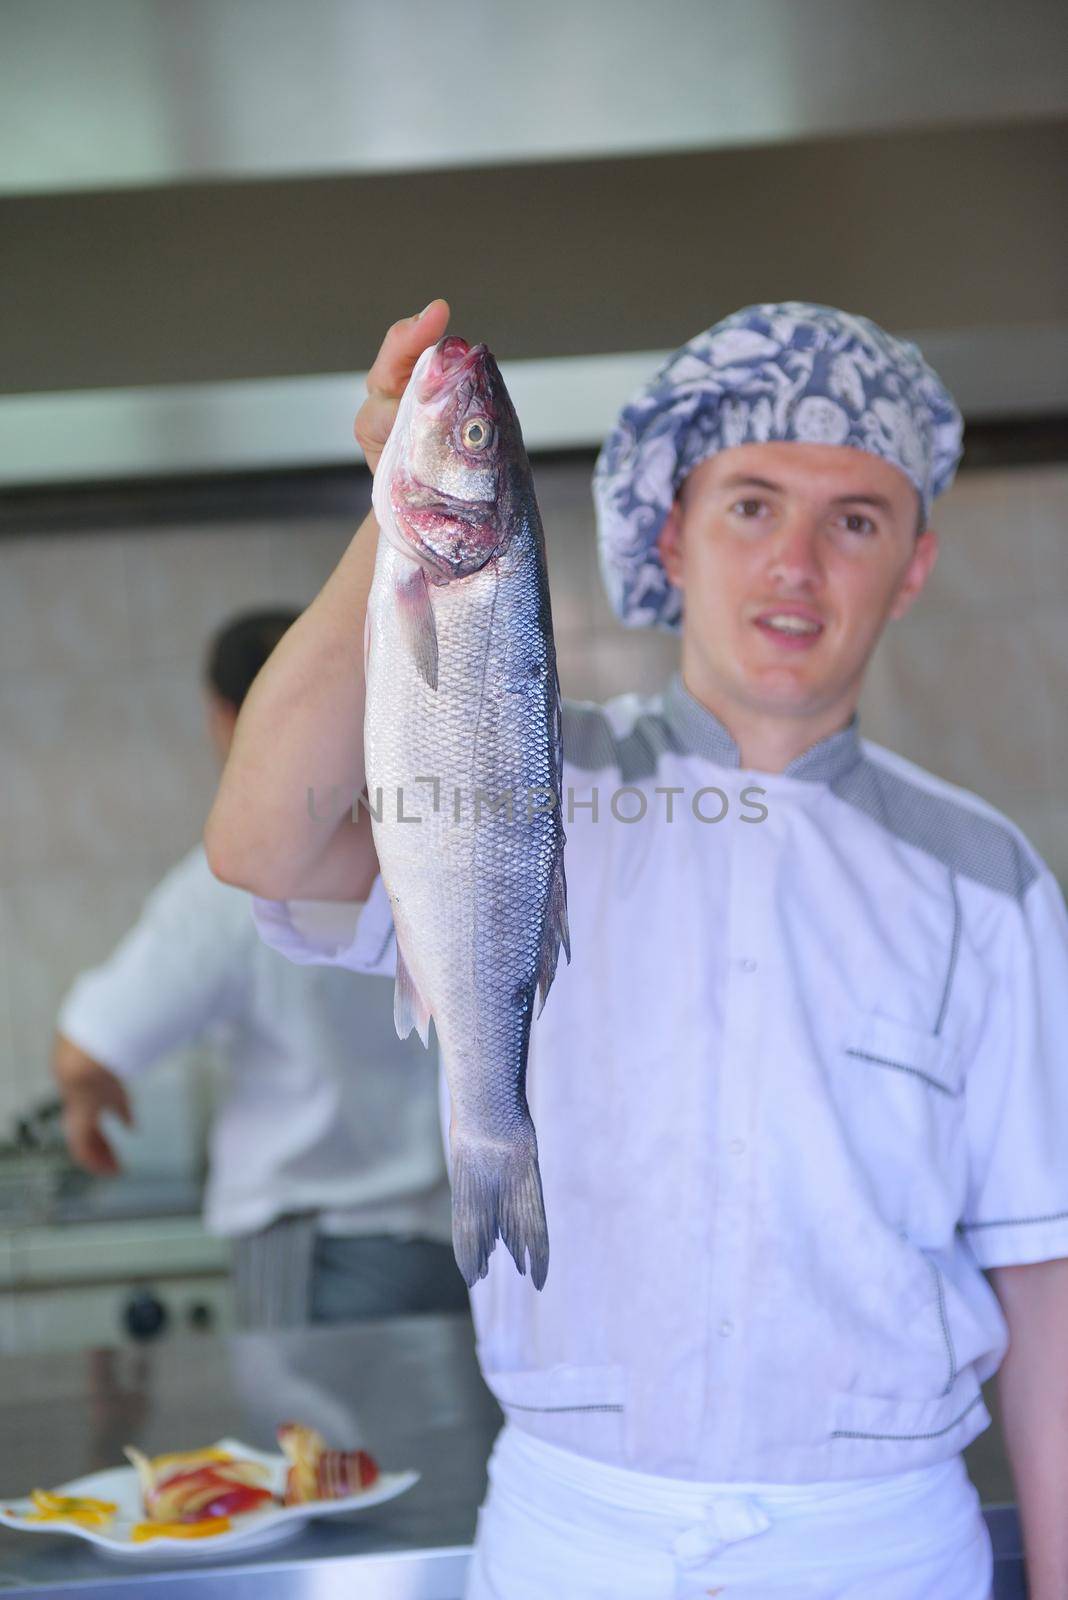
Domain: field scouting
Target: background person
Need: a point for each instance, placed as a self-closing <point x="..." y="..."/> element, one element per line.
<point x="326" y="1166"/>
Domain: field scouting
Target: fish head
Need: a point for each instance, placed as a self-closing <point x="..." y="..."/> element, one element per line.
<point x="443" y="486"/>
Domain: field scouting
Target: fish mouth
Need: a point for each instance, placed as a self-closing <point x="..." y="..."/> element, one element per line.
<point x="451" y="360"/>
<point x="416" y="496"/>
<point x="433" y="522"/>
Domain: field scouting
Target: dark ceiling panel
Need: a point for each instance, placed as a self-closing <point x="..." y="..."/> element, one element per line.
<point x="926" y="230"/>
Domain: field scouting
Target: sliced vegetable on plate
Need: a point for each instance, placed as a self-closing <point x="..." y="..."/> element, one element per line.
<point x="193" y="1502"/>
<point x="199" y="1484"/>
<point x="319" y="1473"/>
<point x="82" y="1509"/>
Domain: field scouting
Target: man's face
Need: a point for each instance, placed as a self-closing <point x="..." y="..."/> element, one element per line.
<point x="791" y="559"/>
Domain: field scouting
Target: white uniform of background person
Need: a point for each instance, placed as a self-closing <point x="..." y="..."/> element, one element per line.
<point x="324" y="1118"/>
<point x="326" y="1165"/>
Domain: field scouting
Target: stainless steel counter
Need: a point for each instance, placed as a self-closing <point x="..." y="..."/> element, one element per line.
<point x="408" y="1389"/>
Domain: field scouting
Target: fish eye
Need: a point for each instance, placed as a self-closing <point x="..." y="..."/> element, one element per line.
<point x="476" y="434"/>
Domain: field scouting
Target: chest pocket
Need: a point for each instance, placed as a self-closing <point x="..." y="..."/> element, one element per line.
<point x="900" y="1094"/>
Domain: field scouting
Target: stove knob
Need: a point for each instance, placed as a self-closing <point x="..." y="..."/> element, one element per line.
<point x="144" y="1315"/>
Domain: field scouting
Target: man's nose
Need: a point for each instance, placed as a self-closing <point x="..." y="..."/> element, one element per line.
<point x="795" y="560"/>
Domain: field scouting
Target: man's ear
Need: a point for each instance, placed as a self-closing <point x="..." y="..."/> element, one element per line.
<point x="919" y="569"/>
<point x="669" y="544"/>
<point x="221" y="719"/>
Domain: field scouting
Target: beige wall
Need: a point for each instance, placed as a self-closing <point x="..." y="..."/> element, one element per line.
<point x="974" y="683"/>
<point x="106" y="774"/>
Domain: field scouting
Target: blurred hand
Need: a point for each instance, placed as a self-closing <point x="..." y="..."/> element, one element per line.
<point x="88" y="1089"/>
<point x="388" y="378"/>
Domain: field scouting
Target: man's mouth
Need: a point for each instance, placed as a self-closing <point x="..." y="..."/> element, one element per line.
<point x="790" y="626"/>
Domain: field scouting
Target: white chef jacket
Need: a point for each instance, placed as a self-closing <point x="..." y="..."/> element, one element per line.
<point x="804" y="1077"/>
<point x="322" y="1107"/>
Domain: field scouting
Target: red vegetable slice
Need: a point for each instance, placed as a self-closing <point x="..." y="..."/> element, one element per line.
<point x="231" y="1503"/>
<point x="344" y="1472"/>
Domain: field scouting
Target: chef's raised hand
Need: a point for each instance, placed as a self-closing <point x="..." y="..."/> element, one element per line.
<point x="88" y="1089"/>
<point x="388" y="377"/>
<point x="302" y="720"/>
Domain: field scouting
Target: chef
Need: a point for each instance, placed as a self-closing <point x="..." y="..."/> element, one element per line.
<point x="326" y="1164"/>
<point x="803" y="1080"/>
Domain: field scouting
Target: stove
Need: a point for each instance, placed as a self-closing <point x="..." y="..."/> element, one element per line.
<point x="87" y="1262"/>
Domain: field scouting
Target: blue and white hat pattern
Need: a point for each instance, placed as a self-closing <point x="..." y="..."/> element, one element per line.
<point x="771" y="372"/>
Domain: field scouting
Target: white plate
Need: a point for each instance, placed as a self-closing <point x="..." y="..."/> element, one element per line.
<point x="248" y="1531"/>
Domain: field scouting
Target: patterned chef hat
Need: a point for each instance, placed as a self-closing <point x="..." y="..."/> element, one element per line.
<point x="790" y="371"/>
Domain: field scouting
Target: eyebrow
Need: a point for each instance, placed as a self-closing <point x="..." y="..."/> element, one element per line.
<point x="745" y="481"/>
<point x="742" y="480"/>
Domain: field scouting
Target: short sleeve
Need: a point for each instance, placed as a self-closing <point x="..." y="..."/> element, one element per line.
<point x="357" y="937"/>
<point x="183" y="967"/>
<point x="1017" y="1088"/>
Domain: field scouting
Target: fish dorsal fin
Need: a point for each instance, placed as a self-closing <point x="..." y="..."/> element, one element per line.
<point x="555" y="933"/>
<point x="410" y="1010"/>
<point x="418" y="627"/>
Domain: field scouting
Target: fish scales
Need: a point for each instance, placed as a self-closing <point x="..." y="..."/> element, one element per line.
<point x="478" y="891"/>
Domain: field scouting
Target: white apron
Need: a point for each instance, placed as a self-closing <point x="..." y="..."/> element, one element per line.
<point x="558" y="1526"/>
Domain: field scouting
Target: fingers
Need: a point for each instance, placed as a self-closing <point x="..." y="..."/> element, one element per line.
<point x="87" y="1145"/>
<point x="402" y="347"/>
<point x="373" y="422"/>
<point x="388" y="377"/>
<point x="101" y="1158"/>
<point x="120" y="1104"/>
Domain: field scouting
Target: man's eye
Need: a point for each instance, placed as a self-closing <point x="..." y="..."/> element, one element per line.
<point x="856" y="522"/>
<point x="748" y="508"/>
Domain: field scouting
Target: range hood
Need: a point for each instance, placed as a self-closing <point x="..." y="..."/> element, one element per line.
<point x="210" y="212"/>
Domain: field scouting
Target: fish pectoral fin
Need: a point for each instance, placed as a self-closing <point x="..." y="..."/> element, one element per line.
<point x="410" y="1010"/>
<point x="555" y="933"/>
<point x="418" y="628"/>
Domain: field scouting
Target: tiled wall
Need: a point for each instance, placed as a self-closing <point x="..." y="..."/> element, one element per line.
<point x="106" y="774"/>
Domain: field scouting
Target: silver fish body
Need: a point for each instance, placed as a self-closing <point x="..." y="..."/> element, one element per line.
<point x="462" y="731"/>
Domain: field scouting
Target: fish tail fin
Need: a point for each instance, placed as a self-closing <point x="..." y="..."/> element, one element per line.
<point x="496" y="1193"/>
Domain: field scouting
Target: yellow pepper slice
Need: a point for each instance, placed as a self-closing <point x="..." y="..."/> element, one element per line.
<point x="84" y="1519"/>
<point x="45" y="1500"/>
<point x="179" y="1530"/>
<point x="177" y="1457"/>
<point x="80" y="1509"/>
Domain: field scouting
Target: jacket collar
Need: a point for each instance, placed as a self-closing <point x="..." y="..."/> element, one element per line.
<point x="701" y="733"/>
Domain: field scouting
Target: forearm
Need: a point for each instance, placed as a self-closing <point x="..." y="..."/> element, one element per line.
<point x="283" y="807"/>
<point x="1033" y="1397"/>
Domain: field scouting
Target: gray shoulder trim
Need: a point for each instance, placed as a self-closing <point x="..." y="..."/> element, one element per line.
<point x="970" y="843"/>
<point x="592" y="744"/>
